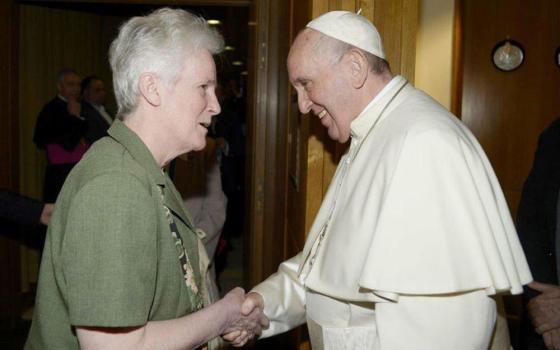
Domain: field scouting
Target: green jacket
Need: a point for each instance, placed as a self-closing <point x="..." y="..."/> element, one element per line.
<point x="110" y="259"/>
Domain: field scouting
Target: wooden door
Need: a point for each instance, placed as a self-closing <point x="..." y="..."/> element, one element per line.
<point x="508" y="110"/>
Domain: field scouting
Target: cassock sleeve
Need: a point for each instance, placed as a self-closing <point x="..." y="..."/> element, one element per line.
<point x="284" y="298"/>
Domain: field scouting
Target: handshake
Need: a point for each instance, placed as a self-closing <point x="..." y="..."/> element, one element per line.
<point x="245" y="318"/>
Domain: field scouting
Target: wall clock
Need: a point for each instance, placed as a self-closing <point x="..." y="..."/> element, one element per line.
<point x="508" y="55"/>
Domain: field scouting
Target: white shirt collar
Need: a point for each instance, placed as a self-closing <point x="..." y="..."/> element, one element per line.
<point x="380" y="95"/>
<point x="365" y="121"/>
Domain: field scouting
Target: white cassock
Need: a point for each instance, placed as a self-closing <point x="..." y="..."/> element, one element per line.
<point x="411" y="241"/>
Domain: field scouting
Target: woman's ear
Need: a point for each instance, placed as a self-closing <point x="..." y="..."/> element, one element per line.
<point x="149" y="86"/>
<point x="359" y="68"/>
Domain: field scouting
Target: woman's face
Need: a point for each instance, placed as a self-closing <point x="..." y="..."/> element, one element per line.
<point x="191" y="102"/>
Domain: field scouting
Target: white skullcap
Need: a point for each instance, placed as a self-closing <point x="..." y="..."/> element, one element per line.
<point x="350" y="28"/>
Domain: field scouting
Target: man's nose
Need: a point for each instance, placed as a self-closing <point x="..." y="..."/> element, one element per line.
<point x="304" y="103"/>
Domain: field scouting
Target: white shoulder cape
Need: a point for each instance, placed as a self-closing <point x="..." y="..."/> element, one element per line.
<point x="415" y="208"/>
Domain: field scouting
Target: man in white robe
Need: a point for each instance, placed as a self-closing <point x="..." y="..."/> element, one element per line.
<point x="414" y="237"/>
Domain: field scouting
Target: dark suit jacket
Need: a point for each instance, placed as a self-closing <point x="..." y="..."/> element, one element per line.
<point x="97" y="125"/>
<point x="536" y="221"/>
<point x="56" y="125"/>
<point x="19" y="209"/>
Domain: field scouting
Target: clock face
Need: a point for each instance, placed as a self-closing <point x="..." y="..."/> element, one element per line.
<point x="508" y="55"/>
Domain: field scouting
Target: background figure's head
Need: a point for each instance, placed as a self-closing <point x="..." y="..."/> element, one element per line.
<point x="68" y="84"/>
<point x="157" y="43"/>
<point x="93" y="90"/>
<point x="337" y="67"/>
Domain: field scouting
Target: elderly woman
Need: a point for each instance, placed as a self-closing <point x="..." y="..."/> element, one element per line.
<point x="120" y="268"/>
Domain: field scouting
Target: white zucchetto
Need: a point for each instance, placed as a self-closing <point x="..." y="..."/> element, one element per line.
<point x="350" y="28"/>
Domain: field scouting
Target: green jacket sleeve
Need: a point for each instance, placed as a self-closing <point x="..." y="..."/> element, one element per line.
<point x="109" y="252"/>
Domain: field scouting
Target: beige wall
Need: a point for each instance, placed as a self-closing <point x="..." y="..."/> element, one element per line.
<point x="434" y="49"/>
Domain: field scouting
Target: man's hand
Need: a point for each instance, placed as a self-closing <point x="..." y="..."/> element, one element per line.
<point x="252" y="309"/>
<point x="74" y="108"/>
<point x="46" y="213"/>
<point x="544" y="310"/>
<point x="552" y="339"/>
<point x="244" y="324"/>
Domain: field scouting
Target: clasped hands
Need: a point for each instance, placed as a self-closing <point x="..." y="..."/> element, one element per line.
<point x="247" y="319"/>
<point x="544" y="311"/>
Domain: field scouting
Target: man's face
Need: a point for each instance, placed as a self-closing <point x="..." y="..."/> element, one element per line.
<point x="190" y="104"/>
<point x="69" y="87"/>
<point x="95" y="93"/>
<point x="320" y="86"/>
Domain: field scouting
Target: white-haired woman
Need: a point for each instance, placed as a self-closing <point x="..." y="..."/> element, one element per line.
<point x="120" y="268"/>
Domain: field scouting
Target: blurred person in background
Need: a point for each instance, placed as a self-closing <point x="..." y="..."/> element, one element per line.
<point x="93" y="108"/>
<point x="60" y="130"/>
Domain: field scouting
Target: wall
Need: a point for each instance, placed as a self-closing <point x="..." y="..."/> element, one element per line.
<point x="507" y="110"/>
<point x="434" y="49"/>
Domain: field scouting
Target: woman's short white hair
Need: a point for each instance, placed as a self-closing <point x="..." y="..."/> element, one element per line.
<point x="157" y="43"/>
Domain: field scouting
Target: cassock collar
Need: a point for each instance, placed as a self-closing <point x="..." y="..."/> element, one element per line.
<point x="369" y="116"/>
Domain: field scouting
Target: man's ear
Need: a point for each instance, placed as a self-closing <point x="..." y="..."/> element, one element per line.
<point x="149" y="86"/>
<point x="359" y="68"/>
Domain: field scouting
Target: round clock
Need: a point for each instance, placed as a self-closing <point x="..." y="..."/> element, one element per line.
<point x="508" y="55"/>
